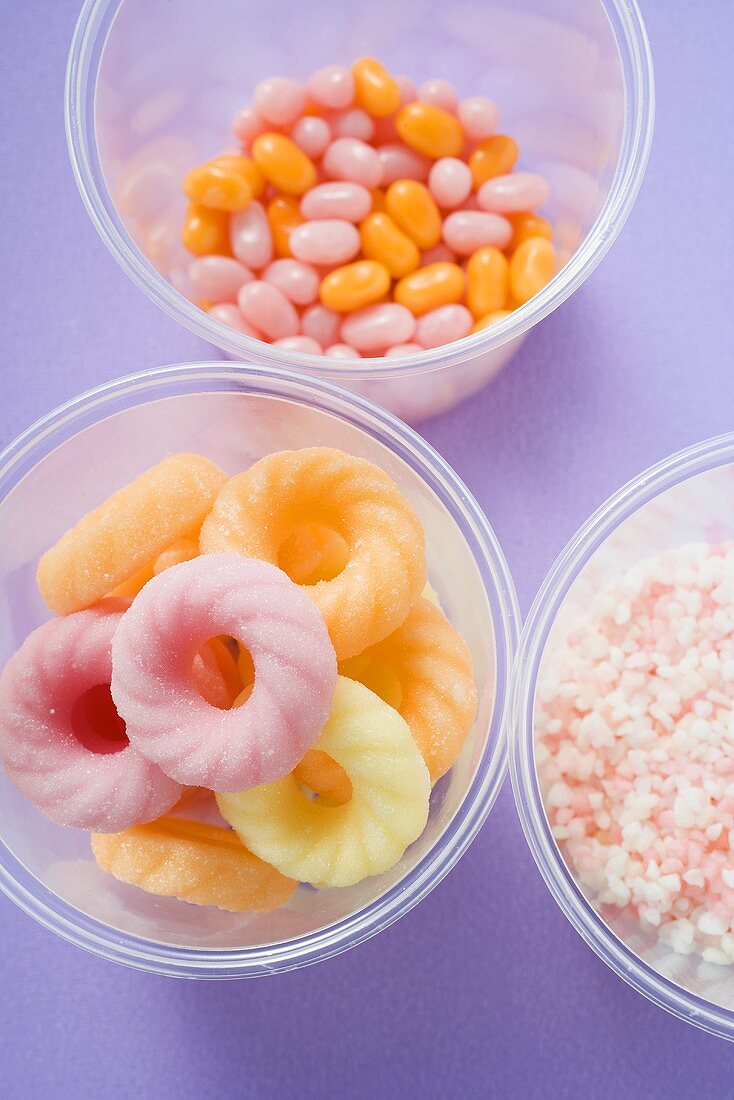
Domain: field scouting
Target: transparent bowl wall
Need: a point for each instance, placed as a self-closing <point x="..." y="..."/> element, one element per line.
<point x="72" y="460"/>
<point x="687" y="498"/>
<point x="152" y="89"/>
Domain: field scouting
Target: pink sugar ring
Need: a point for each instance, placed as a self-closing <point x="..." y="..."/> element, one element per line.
<point x="63" y="745"/>
<point x="155" y="692"/>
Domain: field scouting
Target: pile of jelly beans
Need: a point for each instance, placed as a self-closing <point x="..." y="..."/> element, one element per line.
<point x="359" y="216"/>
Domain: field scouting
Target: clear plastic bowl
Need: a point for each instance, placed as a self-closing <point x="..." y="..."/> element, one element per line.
<point x="686" y="498"/>
<point x="151" y="91"/>
<point x="72" y="459"/>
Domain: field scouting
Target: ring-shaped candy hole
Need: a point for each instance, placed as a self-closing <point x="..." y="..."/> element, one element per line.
<point x="216" y="672"/>
<point x="321" y="779"/>
<point x="313" y="552"/>
<point x="96" y="724"/>
<point x="375" y="674"/>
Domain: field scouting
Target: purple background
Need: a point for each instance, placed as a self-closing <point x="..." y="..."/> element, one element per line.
<point x="485" y="989"/>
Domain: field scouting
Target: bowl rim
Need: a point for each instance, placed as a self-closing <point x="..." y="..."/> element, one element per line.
<point x="51" y="430"/>
<point x="640" y="490"/>
<point x="87" y="47"/>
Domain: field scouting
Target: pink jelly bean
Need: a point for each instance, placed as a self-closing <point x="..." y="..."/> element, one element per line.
<point x="268" y="310"/>
<point x="321" y="324"/>
<point x="340" y="199"/>
<point x="299" y="282"/>
<point x="351" y="159"/>
<point x="517" y="191"/>
<point x="326" y="241"/>
<point x="248" y="124"/>
<point x="399" y="163"/>
<point x="305" y="344"/>
<point x="232" y="316"/>
<point x="466" y="230"/>
<point x="332" y="86"/>
<point x="439" y="93"/>
<point x="408" y="91"/>
<point x="250" y="236"/>
<point x="443" y="325"/>
<point x="280" y="100"/>
<point x="342" y="351"/>
<point x="312" y="135"/>
<point x="450" y="182"/>
<point x="479" y="117"/>
<point x="218" y="278"/>
<point x="375" y="328"/>
<point x="354" y="123"/>
<point x="439" y="254"/>
<point x="403" y="349"/>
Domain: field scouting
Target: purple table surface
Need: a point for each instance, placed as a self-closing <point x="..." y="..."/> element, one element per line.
<point x="484" y="989"/>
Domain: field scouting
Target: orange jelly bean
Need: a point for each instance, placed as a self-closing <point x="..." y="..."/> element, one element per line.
<point x="219" y="186"/>
<point x="383" y="241"/>
<point x="524" y="225"/>
<point x="375" y="91"/>
<point x="247" y="168"/>
<point x="283" y="164"/>
<point x="283" y="216"/>
<point x="429" y="287"/>
<point x="206" y="231"/>
<point x="378" y="200"/>
<point x="413" y="208"/>
<point x="487" y="279"/>
<point x="532" y="265"/>
<point x="491" y="319"/>
<point x="495" y="156"/>
<point x="430" y="130"/>
<point x="354" y="285"/>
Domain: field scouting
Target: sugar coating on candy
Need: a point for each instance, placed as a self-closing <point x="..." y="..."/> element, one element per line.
<point x="155" y="690"/>
<point x="40" y="688"/>
<point x="126" y="533"/>
<point x="194" y="862"/>
<point x="634" y="724"/>
<point x="258" y="510"/>
<point x="341" y="845"/>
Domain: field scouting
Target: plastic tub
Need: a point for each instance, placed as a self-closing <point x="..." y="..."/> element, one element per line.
<point x="151" y="91"/>
<point x="72" y="459"/>
<point x="686" y="498"/>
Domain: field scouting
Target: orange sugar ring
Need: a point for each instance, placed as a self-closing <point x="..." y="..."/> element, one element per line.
<point x="257" y="511"/>
<point x="313" y="553"/>
<point x="194" y="862"/>
<point x="113" y="542"/>
<point x="321" y="774"/>
<point x="182" y="550"/>
<point x="217" y="673"/>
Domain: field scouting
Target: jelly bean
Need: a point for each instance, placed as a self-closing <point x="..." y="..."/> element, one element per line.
<point x="248" y="125"/>
<point x="321" y="324"/>
<point x="439" y="93"/>
<point x="332" y="86"/>
<point x="403" y="349"/>
<point x="312" y="135"/>
<point x="351" y="159"/>
<point x="298" y="281"/>
<point x="268" y="310"/>
<point x="280" y="100"/>
<point x="491" y="319"/>
<point x="400" y="162"/>
<point x="508" y="194"/>
<point x="442" y="325"/>
<point x="487" y="281"/>
<point x="252" y="241"/>
<point x="524" y="225"/>
<point x="378" y="200"/>
<point x="283" y="217"/>
<point x="466" y="230"/>
<point x="218" y="278"/>
<point x="412" y="206"/>
<point x="384" y="241"/>
<point x="439" y="254"/>
<point x="305" y="344"/>
<point x="374" y="88"/>
<point x="206" y="231"/>
<point x="532" y="265"/>
<point x="355" y="285"/>
<point x="496" y="156"/>
<point x="354" y="123"/>
<point x="407" y="89"/>
<point x="284" y="164"/>
<point x="340" y="199"/>
<point x="450" y="182"/>
<point x="479" y="117"/>
<point x="326" y="241"/>
<point x="342" y="351"/>
<point x="219" y="186"/>
<point x="375" y="328"/>
<point x="430" y="287"/>
<point x="430" y="130"/>
<point x="231" y="316"/>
